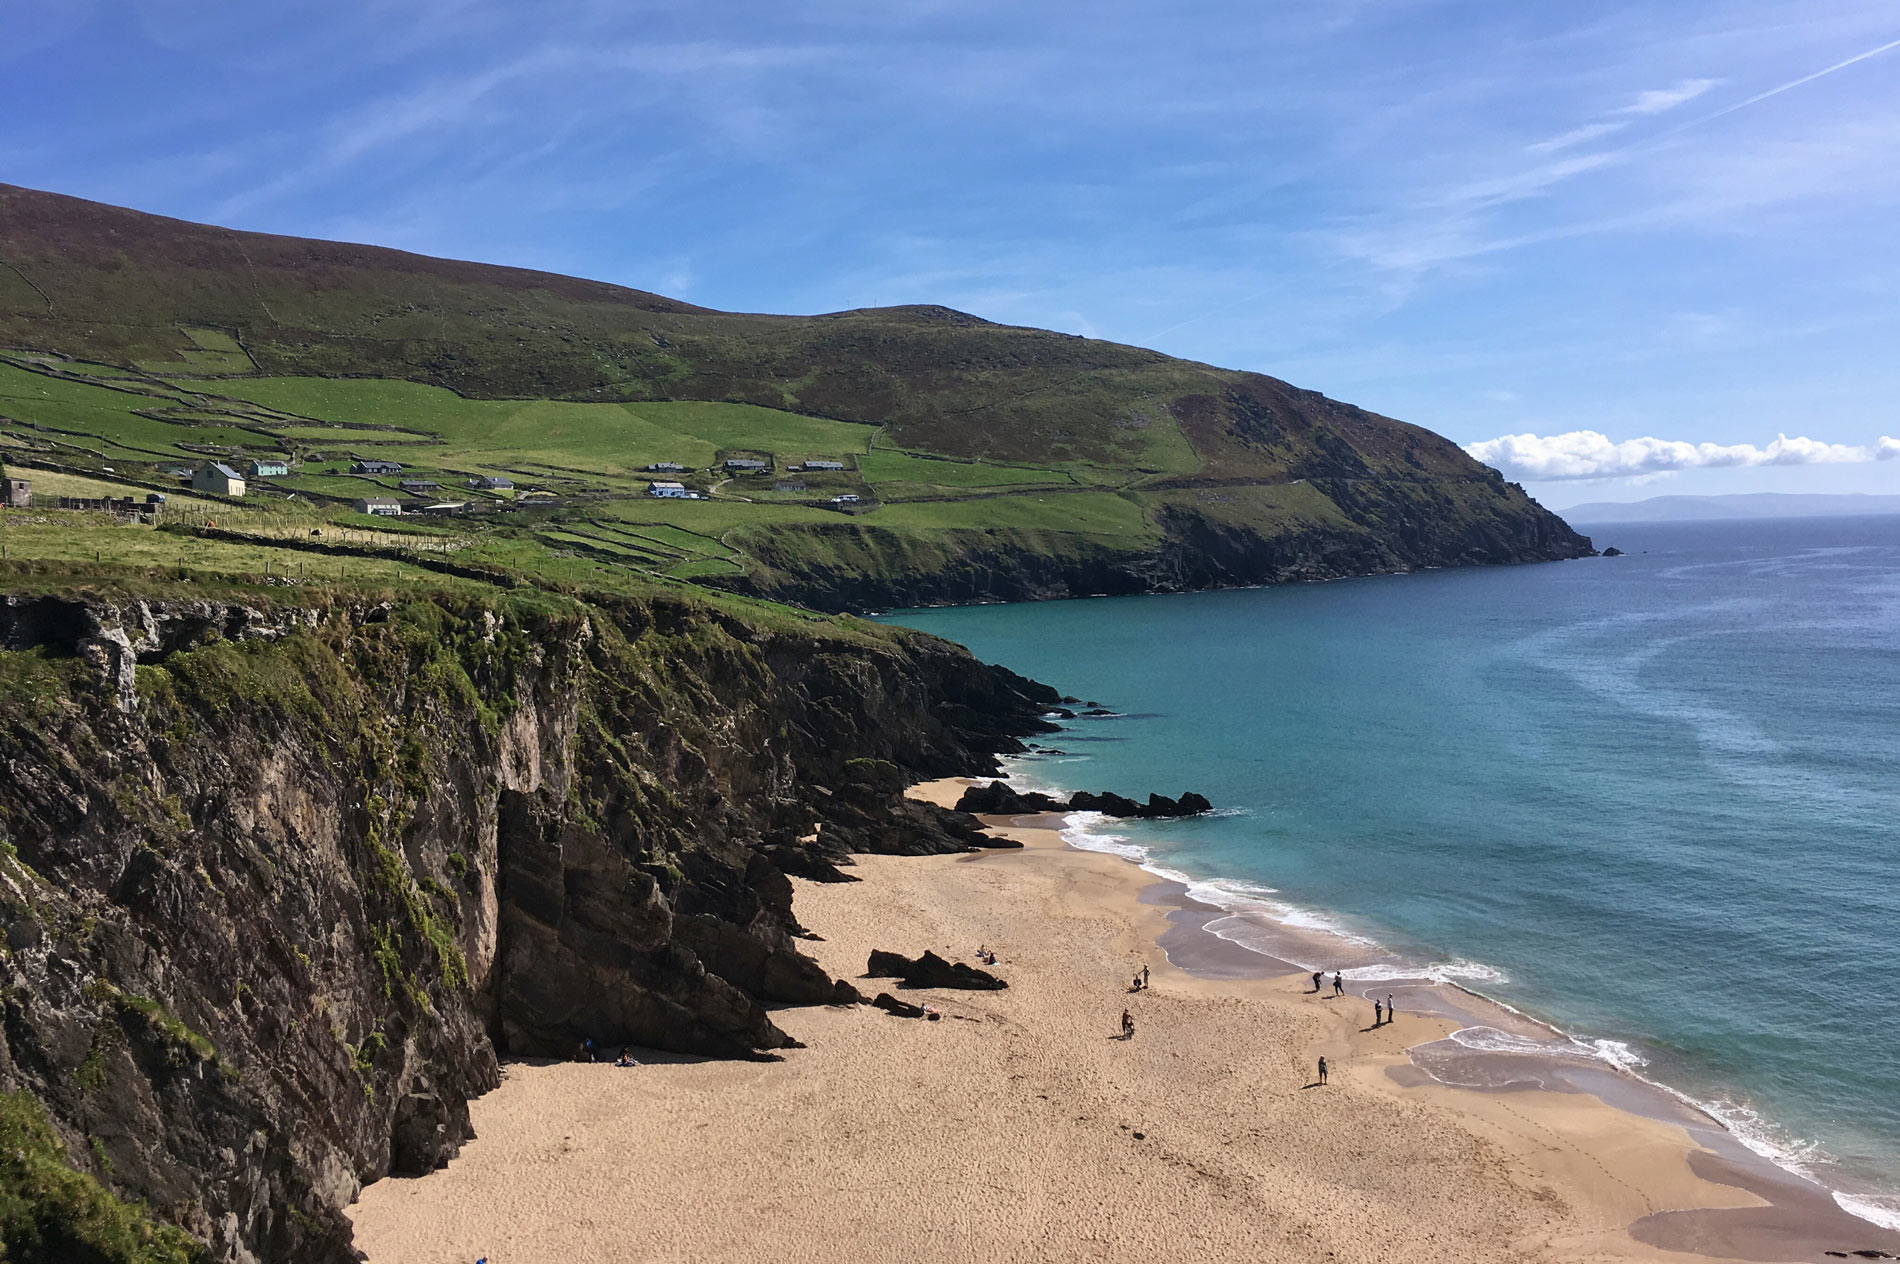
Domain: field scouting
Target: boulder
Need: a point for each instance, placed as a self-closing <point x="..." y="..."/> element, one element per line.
<point x="896" y="1008"/>
<point x="999" y="799"/>
<point x="931" y="971"/>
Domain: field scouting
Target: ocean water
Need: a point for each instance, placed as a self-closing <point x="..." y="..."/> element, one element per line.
<point x="1653" y="800"/>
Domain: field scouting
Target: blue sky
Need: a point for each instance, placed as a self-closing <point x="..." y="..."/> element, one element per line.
<point x="1670" y="224"/>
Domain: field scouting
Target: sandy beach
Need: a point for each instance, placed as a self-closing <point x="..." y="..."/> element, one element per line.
<point x="1021" y="1128"/>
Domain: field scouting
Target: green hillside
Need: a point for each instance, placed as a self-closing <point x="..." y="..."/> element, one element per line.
<point x="986" y="461"/>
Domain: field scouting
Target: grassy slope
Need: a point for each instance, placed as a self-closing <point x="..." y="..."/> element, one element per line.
<point x="140" y="339"/>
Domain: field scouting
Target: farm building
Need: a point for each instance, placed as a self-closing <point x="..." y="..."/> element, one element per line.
<point x="667" y="491"/>
<point x="491" y="482"/>
<point x="218" y="479"/>
<point x="824" y="465"/>
<point x="743" y="464"/>
<point x="268" y="469"/>
<point x="124" y="506"/>
<point x="418" y="486"/>
<point x="381" y="506"/>
<point x="375" y="467"/>
<point x="16" y="493"/>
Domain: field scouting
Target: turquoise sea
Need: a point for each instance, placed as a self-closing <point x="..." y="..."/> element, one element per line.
<point x="1653" y="800"/>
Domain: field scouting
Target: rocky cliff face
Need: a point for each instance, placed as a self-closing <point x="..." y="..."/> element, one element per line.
<point x="281" y="880"/>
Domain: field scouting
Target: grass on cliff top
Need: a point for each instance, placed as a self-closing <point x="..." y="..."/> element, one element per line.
<point x="588" y="453"/>
<point x="50" y="1212"/>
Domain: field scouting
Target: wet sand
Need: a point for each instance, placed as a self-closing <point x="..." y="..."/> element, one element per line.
<point x="1021" y="1128"/>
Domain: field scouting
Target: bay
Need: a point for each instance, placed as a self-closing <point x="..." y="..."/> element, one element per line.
<point x="1653" y="800"/>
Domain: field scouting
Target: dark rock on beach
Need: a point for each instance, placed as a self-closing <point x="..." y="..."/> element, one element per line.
<point x="896" y="1008"/>
<point x="931" y="971"/>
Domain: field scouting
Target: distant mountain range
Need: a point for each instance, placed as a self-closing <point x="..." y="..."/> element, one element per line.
<point x="1715" y="508"/>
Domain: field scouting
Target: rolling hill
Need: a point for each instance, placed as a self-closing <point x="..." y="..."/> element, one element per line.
<point x="986" y="461"/>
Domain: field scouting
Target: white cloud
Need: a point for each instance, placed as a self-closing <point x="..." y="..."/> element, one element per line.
<point x="1590" y="454"/>
<point x="1575" y="136"/>
<point x="1660" y="100"/>
<point x="1654" y="101"/>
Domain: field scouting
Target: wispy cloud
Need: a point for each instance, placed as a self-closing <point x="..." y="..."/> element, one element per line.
<point x="1463" y="222"/>
<point x="1662" y="100"/>
<point x="1653" y="102"/>
<point x="1589" y="454"/>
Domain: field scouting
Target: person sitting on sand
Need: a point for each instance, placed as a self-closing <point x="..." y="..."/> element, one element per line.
<point x="626" y="1058"/>
<point x="932" y="1013"/>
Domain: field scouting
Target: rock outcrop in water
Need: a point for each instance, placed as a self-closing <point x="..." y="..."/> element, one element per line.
<point x="282" y="878"/>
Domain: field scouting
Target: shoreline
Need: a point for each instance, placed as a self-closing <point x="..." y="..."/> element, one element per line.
<point x="1019" y="1128"/>
<point x="1793" y="1216"/>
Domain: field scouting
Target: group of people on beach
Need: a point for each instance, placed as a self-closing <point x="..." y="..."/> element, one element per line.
<point x="1383" y="1012"/>
<point x="590" y="1054"/>
<point x="1140" y="984"/>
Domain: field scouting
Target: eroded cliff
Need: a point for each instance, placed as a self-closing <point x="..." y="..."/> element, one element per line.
<point x="283" y="877"/>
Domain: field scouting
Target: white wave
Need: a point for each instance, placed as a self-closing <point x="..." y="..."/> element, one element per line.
<point x="1886" y="1215"/>
<point x="1456" y="972"/>
<point x="1619" y="1054"/>
<point x="1078" y="831"/>
<point x="1491" y="1040"/>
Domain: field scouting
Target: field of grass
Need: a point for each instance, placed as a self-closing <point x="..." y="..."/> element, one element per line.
<point x="625" y="538"/>
<point x="928" y="510"/>
<point x="1083" y="513"/>
<point x="884" y="466"/>
<point x="597" y="439"/>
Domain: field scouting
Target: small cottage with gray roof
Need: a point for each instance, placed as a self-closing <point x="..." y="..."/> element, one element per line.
<point x="217" y="479"/>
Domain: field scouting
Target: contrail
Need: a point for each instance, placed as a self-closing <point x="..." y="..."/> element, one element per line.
<point x="1786" y="87"/>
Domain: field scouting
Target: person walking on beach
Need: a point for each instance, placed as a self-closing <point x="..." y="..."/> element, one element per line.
<point x="1317" y="976"/>
<point x="1378" y="1014"/>
<point x="1144" y="976"/>
<point x="1339" y="983"/>
<point x="1322" y="1070"/>
<point x="1128" y="1025"/>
